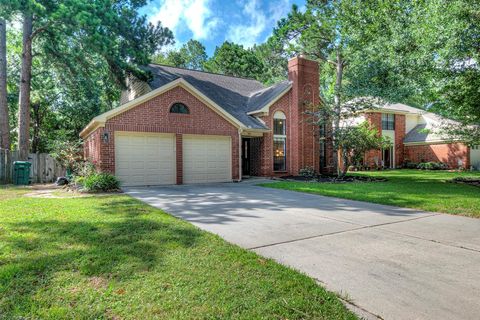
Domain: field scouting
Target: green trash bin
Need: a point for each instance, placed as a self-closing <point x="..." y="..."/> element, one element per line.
<point x="21" y="172"/>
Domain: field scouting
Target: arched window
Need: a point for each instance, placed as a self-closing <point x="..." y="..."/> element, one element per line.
<point x="179" y="108"/>
<point x="279" y="141"/>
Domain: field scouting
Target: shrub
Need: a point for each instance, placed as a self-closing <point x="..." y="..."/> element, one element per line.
<point x="67" y="153"/>
<point x="410" y="165"/>
<point x="84" y="169"/>
<point x="307" y="172"/>
<point x="432" y="166"/>
<point x="101" y="182"/>
<point x="79" y="180"/>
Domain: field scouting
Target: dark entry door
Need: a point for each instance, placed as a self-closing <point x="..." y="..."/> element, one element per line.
<point x="387" y="158"/>
<point x="245" y="157"/>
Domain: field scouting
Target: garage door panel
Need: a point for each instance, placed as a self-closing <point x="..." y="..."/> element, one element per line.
<point x="206" y="159"/>
<point x="145" y="159"/>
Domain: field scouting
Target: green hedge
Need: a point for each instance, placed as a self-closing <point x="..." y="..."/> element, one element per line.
<point x="432" y="166"/>
<point x="101" y="182"/>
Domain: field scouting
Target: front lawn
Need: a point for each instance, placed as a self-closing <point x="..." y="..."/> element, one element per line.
<point x="425" y="190"/>
<point x="113" y="257"/>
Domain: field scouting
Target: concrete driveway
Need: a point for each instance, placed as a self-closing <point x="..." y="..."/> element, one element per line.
<point x="390" y="262"/>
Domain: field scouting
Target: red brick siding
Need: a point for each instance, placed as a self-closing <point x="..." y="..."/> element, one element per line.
<point x="450" y="154"/>
<point x="92" y="147"/>
<point x="154" y="116"/>
<point x="399" y="137"/>
<point x="375" y="119"/>
<point x="179" y="157"/>
<point x="304" y="95"/>
<point x="94" y="150"/>
<point x="265" y="145"/>
<point x="373" y="158"/>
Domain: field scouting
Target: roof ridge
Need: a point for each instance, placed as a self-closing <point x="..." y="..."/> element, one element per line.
<point x="207" y="72"/>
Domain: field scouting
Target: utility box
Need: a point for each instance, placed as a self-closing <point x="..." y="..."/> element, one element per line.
<point x="21" y="172"/>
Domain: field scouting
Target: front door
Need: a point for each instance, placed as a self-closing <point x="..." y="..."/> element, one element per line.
<point x="245" y="157"/>
<point x="387" y="158"/>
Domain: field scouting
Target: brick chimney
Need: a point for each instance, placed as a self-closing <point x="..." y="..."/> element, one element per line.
<point x="304" y="75"/>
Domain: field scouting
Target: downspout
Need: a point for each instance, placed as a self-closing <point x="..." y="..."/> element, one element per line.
<point x="240" y="130"/>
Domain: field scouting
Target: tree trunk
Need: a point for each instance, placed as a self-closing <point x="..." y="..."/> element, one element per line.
<point x="345" y="165"/>
<point x="37" y="119"/>
<point x="25" y="80"/>
<point x="4" y="124"/>
<point x="338" y="107"/>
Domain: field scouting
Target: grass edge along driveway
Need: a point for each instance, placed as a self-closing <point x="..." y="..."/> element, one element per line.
<point x="423" y="190"/>
<point x="113" y="257"/>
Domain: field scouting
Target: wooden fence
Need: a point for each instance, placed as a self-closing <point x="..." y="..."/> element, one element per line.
<point x="44" y="168"/>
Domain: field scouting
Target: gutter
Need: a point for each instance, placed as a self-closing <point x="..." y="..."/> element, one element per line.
<point x="423" y="143"/>
<point x="240" y="130"/>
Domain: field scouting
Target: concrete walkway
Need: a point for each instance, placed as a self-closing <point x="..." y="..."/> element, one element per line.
<point x="390" y="262"/>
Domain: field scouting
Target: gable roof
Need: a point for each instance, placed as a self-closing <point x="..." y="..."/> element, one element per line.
<point x="237" y="96"/>
<point x="231" y="97"/>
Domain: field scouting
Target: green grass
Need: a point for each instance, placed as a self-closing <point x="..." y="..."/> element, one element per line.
<point x="114" y="257"/>
<point x="425" y="190"/>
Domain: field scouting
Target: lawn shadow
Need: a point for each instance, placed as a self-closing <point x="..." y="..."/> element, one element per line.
<point x="122" y="238"/>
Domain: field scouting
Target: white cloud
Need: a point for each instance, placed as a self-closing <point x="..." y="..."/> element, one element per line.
<point x="249" y="33"/>
<point x="196" y="15"/>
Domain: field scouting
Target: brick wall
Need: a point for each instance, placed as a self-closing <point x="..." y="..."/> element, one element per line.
<point x="91" y="147"/>
<point x="304" y="96"/>
<point x="265" y="144"/>
<point x="154" y="116"/>
<point x="450" y="154"/>
<point x="373" y="158"/>
<point x="399" y="137"/>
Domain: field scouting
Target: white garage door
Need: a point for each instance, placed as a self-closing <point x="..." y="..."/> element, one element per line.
<point x="143" y="159"/>
<point x="207" y="159"/>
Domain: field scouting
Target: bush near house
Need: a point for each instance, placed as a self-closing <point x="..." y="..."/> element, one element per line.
<point x="307" y="172"/>
<point x="432" y="166"/>
<point x="101" y="182"/>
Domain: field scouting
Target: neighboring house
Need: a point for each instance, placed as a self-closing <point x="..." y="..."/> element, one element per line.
<point x="416" y="138"/>
<point x="188" y="126"/>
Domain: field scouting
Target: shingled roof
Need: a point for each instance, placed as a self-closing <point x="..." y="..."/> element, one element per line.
<point x="422" y="133"/>
<point x="237" y="96"/>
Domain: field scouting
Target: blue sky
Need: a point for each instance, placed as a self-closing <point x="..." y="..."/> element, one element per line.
<point x="213" y="21"/>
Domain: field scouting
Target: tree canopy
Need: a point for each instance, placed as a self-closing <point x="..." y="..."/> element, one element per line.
<point x="191" y="55"/>
<point x="80" y="53"/>
<point x="234" y="60"/>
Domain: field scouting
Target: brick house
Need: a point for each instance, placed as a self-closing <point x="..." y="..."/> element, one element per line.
<point x="416" y="138"/>
<point x="187" y="126"/>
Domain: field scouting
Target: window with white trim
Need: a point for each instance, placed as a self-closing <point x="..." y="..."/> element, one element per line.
<point x="388" y="121"/>
<point x="279" y="141"/>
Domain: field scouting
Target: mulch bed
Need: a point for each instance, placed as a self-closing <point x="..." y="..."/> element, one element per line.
<point x="332" y="179"/>
<point x="470" y="181"/>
